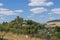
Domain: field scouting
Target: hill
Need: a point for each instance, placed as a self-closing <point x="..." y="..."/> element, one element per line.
<point x="19" y="25"/>
<point x="54" y="21"/>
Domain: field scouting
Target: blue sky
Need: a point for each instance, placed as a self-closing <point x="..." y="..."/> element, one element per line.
<point x="38" y="10"/>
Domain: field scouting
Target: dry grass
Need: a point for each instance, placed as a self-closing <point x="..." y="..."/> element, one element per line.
<point x="11" y="36"/>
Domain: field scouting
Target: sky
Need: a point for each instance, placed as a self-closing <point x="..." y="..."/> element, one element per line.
<point x="38" y="10"/>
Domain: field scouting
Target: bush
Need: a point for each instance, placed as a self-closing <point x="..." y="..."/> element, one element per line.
<point x="57" y="34"/>
<point x="54" y="38"/>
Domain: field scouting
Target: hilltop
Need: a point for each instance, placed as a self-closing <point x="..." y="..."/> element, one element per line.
<point x="20" y="27"/>
<point x="54" y="21"/>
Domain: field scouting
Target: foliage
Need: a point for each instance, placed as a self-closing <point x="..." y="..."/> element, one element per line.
<point x="15" y="26"/>
<point x="54" y="38"/>
<point x="57" y="28"/>
<point x="57" y="34"/>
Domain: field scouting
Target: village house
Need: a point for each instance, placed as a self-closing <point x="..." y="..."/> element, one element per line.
<point x="24" y="24"/>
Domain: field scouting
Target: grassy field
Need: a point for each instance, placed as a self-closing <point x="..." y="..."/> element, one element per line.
<point x="11" y="36"/>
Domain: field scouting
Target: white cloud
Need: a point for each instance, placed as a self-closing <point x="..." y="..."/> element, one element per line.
<point x="55" y="11"/>
<point x="38" y="10"/>
<point x="41" y="16"/>
<point x="18" y="10"/>
<point x="32" y="14"/>
<point x="29" y="16"/>
<point x="1" y="19"/>
<point x="40" y="3"/>
<point x="49" y="3"/>
<point x="1" y="4"/>
<point x="5" y="11"/>
<point x="51" y="18"/>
